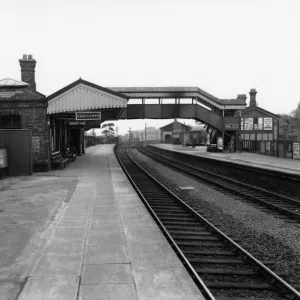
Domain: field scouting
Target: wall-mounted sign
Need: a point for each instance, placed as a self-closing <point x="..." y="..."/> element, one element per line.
<point x="296" y="150"/>
<point x="232" y="126"/>
<point x="66" y="115"/>
<point x="36" y="143"/>
<point x="83" y="116"/>
<point x="268" y="124"/>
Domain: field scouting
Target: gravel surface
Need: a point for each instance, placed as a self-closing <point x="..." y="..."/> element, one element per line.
<point x="261" y="234"/>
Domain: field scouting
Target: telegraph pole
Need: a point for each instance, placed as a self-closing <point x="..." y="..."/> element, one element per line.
<point x="145" y="132"/>
<point x="129" y="135"/>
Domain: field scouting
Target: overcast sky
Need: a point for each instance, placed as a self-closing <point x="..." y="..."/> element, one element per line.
<point x="225" y="47"/>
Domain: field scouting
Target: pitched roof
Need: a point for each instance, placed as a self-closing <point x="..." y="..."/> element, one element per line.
<point x="186" y="126"/>
<point x="7" y="82"/>
<point x="247" y="109"/>
<point x="79" y="81"/>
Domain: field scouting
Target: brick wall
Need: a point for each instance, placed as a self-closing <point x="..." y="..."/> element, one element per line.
<point x="33" y="117"/>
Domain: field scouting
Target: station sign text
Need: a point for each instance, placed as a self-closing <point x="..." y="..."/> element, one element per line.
<point x="83" y="116"/>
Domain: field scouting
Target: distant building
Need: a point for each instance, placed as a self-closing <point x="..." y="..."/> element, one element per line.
<point x="174" y="133"/>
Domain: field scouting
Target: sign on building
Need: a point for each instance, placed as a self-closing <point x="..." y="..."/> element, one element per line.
<point x="231" y="123"/>
<point x="231" y="126"/>
<point x="84" y="116"/>
<point x="296" y="150"/>
<point x="268" y="124"/>
<point x="66" y="116"/>
<point x="35" y="143"/>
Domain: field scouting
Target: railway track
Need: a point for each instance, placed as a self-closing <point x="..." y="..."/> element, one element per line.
<point x="219" y="266"/>
<point x="280" y="206"/>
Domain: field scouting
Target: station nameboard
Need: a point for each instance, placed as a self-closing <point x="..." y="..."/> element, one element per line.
<point x="83" y="116"/>
<point x="231" y="123"/>
<point x="232" y="126"/>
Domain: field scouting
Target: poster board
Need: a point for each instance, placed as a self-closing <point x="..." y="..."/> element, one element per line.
<point x="268" y="124"/>
<point x="3" y="158"/>
<point x="296" y="150"/>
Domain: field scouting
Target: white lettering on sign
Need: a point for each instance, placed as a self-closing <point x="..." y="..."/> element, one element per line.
<point x="88" y="116"/>
<point x="231" y="126"/>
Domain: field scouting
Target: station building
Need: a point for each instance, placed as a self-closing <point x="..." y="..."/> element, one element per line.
<point x="33" y="126"/>
<point x="259" y="129"/>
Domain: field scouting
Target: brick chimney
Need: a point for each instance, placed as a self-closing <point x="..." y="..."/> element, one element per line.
<point x="28" y="69"/>
<point x="253" y="93"/>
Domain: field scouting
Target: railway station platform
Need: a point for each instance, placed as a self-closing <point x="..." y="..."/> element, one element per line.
<point x="290" y="166"/>
<point x="104" y="244"/>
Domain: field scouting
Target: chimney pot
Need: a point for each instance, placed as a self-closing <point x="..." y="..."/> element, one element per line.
<point x="29" y="56"/>
<point x="24" y="56"/>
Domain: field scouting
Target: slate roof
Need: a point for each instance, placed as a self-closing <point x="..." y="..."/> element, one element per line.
<point x="9" y="82"/>
<point x="12" y="90"/>
<point x="170" y="126"/>
<point x="247" y="109"/>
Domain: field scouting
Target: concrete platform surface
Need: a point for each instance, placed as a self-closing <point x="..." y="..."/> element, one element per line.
<point x="291" y="166"/>
<point x="28" y="208"/>
<point x="104" y="244"/>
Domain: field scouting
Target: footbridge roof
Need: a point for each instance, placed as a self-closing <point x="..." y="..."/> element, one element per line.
<point x="180" y="92"/>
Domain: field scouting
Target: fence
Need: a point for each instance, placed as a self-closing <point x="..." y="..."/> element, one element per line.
<point x="286" y="149"/>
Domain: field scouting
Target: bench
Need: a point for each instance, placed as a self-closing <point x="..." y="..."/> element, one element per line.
<point x="71" y="154"/>
<point x="58" y="160"/>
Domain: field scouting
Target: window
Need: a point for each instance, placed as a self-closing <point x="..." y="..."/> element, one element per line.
<point x="10" y="121"/>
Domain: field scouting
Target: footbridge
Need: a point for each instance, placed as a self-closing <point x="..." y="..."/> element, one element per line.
<point x="181" y="102"/>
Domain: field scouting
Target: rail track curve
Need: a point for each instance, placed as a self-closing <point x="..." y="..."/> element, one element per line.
<point x="221" y="268"/>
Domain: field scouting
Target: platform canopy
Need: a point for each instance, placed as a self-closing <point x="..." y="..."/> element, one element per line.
<point x="82" y="95"/>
